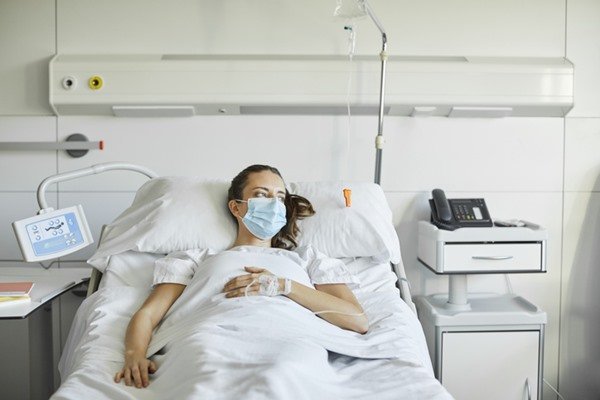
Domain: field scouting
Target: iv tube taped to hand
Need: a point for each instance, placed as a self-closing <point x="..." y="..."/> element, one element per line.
<point x="269" y="286"/>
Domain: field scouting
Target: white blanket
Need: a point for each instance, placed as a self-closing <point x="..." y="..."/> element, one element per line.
<point x="212" y="347"/>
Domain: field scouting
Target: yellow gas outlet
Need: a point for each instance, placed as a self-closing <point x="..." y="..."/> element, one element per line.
<point x="95" y="82"/>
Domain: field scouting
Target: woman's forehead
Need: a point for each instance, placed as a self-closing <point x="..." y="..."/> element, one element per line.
<point x="266" y="179"/>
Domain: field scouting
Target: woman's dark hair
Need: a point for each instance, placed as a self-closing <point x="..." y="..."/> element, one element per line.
<point x="296" y="207"/>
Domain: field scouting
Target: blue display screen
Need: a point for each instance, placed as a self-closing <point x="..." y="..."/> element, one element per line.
<point x="54" y="234"/>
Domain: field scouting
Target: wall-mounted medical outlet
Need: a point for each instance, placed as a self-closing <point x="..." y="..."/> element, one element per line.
<point x="69" y="83"/>
<point x="95" y="82"/>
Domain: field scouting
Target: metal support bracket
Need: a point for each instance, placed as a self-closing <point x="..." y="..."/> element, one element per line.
<point x="76" y="145"/>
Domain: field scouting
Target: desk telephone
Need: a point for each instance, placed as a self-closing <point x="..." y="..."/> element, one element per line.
<point x="451" y="214"/>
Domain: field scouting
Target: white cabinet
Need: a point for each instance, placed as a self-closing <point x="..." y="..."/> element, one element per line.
<point x="491" y="365"/>
<point x="493" y="350"/>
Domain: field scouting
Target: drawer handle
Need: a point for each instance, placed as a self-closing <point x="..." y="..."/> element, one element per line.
<point x="493" y="258"/>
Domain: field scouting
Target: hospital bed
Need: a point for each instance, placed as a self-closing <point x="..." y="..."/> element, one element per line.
<point x="228" y="353"/>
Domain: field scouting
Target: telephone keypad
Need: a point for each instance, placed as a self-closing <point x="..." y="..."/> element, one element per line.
<point x="468" y="210"/>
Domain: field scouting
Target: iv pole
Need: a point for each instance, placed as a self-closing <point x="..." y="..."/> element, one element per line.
<point x="379" y="141"/>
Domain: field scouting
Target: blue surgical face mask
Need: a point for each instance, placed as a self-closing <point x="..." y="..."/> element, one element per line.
<point x="265" y="216"/>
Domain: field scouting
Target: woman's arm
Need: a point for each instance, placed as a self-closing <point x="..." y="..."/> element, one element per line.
<point x="139" y="332"/>
<point x="331" y="297"/>
<point x="348" y="314"/>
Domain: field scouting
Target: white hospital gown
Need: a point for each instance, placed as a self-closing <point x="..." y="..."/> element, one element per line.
<point x="180" y="267"/>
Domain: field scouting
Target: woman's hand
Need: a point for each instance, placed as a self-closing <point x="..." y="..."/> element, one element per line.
<point x="136" y="370"/>
<point x="237" y="286"/>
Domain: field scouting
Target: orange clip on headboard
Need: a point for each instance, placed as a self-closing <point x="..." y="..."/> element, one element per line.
<point x="348" y="197"/>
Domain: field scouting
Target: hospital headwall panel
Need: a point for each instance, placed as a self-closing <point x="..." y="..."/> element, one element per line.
<point x="184" y="85"/>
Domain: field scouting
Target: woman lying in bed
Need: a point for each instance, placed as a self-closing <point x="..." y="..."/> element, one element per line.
<point x="266" y="216"/>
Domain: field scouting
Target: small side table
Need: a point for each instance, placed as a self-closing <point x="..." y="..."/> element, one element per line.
<point x="30" y="332"/>
<point x="484" y="346"/>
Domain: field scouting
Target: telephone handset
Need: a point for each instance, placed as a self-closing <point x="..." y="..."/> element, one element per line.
<point x="451" y="214"/>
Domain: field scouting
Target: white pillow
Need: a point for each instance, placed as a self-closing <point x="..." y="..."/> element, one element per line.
<point x="178" y="213"/>
<point x="363" y="229"/>
<point x="170" y="214"/>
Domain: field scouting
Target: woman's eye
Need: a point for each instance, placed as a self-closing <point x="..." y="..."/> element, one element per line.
<point x="264" y="195"/>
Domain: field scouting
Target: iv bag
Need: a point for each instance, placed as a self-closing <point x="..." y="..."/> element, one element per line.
<point x="350" y="9"/>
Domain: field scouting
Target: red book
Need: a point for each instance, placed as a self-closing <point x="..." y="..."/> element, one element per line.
<point x="15" y="288"/>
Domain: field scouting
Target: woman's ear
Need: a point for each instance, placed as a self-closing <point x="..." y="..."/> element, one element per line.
<point x="234" y="208"/>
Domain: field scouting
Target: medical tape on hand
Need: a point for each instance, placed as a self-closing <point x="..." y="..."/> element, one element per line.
<point x="269" y="286"/>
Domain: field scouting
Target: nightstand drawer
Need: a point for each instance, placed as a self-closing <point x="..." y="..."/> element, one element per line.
<point x="482" y="250"/>
<point x="493" y="257"/>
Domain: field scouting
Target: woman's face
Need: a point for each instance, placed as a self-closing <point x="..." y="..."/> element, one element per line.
<point x="260" y="184"/>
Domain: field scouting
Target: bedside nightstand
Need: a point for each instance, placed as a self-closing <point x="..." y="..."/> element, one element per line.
<point x="483" y="346"/>
<point x="30" y="333"/>
<point x="494" y="350"/>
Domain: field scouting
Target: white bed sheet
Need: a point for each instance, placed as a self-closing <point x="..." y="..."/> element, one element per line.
<point x="93" y="349"/>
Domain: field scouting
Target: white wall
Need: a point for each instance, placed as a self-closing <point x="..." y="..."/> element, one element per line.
<point x="540" y="169"/>
<point x="580" y="320"/>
